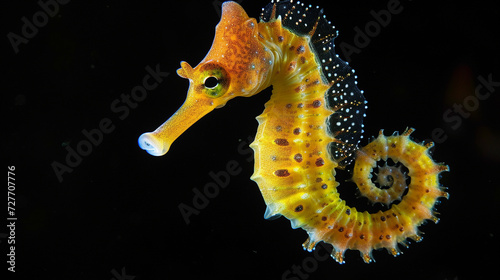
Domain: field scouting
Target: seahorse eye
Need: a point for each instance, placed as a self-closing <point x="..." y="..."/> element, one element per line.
<point x="211" y="82"/>
<point x="214" y="80"/>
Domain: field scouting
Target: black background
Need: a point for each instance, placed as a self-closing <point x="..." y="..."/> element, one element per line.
<point x="117" y="212"/>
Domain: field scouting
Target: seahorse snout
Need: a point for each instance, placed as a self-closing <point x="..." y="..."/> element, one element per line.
<point x="152" y="144"/>
<point x="158" y="142"/>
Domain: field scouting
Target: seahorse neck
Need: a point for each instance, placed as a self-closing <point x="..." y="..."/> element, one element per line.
<point x="293" y="60"/>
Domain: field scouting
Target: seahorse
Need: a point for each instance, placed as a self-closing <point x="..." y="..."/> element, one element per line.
<point x="311" y="126"/>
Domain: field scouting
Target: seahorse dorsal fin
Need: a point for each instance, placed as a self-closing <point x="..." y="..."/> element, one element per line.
<point x="185" y="71"/>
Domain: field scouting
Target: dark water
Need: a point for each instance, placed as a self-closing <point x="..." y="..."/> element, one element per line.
<point x="117" y="213"/>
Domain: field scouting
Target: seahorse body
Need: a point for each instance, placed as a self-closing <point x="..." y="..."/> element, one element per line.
<point x="311" y="125"/>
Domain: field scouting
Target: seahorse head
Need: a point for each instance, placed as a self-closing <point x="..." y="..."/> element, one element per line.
<point x="236" y="65"/>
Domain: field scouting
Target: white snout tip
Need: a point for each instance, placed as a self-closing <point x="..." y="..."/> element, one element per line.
<point x="152" y="144"/>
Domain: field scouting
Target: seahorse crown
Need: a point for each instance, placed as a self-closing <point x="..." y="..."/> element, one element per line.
<point x="312" y="124"/>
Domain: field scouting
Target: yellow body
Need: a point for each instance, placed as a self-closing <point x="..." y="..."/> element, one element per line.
<point x="293" y="165"/>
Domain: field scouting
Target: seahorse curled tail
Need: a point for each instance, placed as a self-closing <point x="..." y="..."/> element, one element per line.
<point x="347" y="228"/>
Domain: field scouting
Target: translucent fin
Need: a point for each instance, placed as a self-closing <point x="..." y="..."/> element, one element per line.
<point x="271" y="213"/>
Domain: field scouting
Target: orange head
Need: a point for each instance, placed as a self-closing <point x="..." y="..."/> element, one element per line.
<point x="236" y="65"/>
